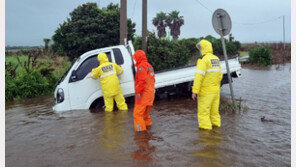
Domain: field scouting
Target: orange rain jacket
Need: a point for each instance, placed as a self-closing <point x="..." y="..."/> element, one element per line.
<point x="144" y="80"/>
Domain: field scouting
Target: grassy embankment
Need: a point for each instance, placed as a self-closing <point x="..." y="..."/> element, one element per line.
<point x="37" y="78"/>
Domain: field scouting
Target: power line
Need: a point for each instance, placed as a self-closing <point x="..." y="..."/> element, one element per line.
<point x="255" y="23"/>
<point x="204" y="6"/>
<point x="262" y="22"/>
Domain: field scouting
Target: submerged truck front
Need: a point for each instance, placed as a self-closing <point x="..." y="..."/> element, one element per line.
<point x="76" y="91"/>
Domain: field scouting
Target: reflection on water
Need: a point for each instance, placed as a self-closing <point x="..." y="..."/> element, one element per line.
<point x="143" y="153"/>
<point x="36" y="136"/>
<point x="113" y="133"/>
<point x="209" y="144"/>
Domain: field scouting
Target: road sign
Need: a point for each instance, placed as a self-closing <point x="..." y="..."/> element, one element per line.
<point x="221" y="22"/>
<point x="222" y="25"/>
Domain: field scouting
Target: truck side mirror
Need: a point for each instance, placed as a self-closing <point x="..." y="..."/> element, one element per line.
<point x="73" y="77"/>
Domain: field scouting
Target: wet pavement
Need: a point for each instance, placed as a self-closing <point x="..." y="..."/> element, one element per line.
<point x="36" y="136"/>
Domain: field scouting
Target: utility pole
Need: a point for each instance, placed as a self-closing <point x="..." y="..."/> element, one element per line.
<point x="284" y="32"/>
<point x="123" y="22"/>
<point x="144" y="26"/>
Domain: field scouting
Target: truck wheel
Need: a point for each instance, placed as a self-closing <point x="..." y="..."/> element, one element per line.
<point x="97" y="104"/>
<point x="225" y="80"/>
<point x="130" y="99"/>
<point x="161" y="95"/>
<point x="189" y="89"/>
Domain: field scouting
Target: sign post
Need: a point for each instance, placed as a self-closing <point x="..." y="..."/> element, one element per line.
<point x="222" y="25"/>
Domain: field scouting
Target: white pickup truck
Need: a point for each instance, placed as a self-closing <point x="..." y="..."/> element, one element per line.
<point x="75" y="91"/>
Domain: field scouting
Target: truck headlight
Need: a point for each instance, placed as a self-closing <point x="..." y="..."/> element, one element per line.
<point x="60" y="95"/>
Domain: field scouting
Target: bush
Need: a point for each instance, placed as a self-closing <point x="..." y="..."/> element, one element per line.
<point x="231" y="48"/>
<point x="29" y="84"/>
<point x="164" y="54"/>
<point x="260" y="56"/>
<point x="10" y="87"/>
<point x="237" y="44"/>
<point x="190" y="44"/>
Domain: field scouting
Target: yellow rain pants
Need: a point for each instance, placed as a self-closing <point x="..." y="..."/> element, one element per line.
<point x="119" y="99"/>
<point x="208" y="110"/>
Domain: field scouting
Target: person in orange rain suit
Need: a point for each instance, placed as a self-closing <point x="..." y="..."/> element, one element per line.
<point x="144" y="91"/>
<point x="206" y="85"/>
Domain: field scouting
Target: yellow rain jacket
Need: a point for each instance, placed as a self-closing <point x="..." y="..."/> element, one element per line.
<point x="208" y="73"/>
<point x="107" y="73"/>
<point x="206" y="84"/>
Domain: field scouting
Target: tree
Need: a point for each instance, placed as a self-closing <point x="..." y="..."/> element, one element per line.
<point x="210" y="38"/>
<point x="231" y="38"/>
<point x="160" y="23"/>
<point x="89" y="28"/>
<point x="46" y="41"/>
<point x="174" y="21"/>
<point x="237" y="44"/>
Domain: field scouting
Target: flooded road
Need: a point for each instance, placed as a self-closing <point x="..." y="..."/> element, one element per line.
<point x="36" y="136"/>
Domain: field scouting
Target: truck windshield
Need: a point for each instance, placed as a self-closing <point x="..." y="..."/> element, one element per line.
<point x="65" y="74"/>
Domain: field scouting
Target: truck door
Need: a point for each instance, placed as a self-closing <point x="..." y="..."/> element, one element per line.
<point x="80" y="87"/>
<point x="127" y="78"/>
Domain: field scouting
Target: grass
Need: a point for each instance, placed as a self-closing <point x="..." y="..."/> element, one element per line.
<point x="14" y="62"/>
<point x="226" y="105"/>
<point x="59" y="64"/>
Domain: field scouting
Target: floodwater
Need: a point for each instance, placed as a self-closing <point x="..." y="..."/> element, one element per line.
<point x="36" y="136"/>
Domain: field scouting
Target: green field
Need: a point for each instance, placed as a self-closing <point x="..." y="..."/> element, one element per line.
<point x="59" y="64"/>
<point x="243" y="56"/>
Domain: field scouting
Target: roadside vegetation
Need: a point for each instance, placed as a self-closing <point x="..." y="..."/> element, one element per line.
<point x="264" y="54"/>
<point x="165" y="54"/>
<point x="32" y="74"/>
<point x="260" y="56"/>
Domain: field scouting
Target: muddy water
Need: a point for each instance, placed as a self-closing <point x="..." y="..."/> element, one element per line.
<point x="36" y="136"/>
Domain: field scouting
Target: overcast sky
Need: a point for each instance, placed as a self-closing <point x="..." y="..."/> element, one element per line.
<point x="27" y="22"/>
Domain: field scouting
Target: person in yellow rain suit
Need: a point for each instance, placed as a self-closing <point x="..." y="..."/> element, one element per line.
<point x="206" y="86"/>
<point x="107" y="73"/>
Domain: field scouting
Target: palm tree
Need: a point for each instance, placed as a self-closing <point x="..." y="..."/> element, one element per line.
<point x="46" y="41"/>
<point x="174" y="21"/>
<point x="160" y="23"/>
